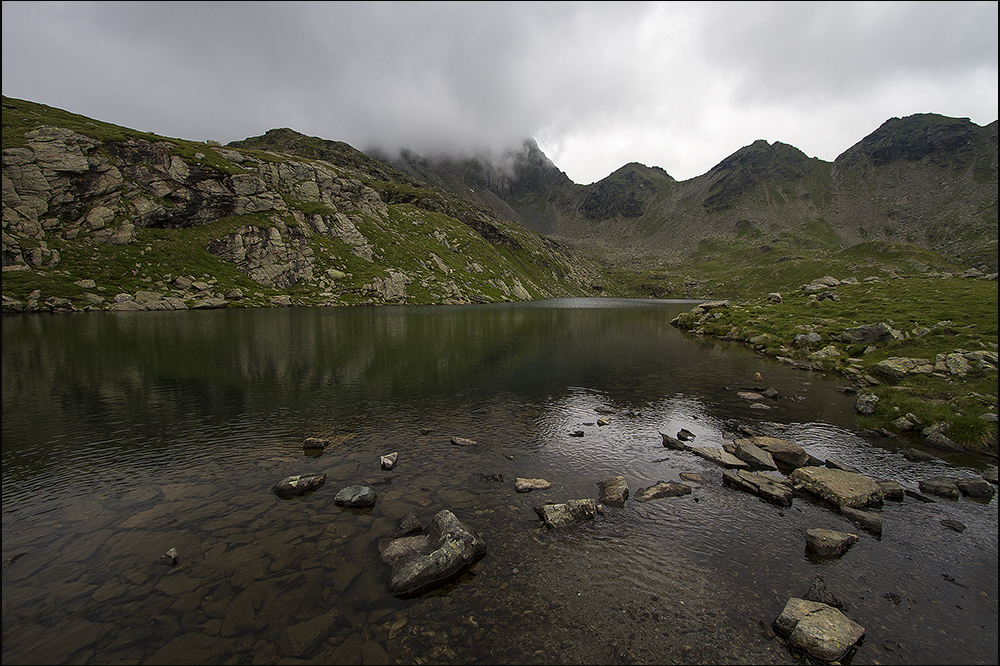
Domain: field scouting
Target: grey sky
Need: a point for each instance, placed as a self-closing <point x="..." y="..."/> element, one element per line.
<point x="675" y="85"/>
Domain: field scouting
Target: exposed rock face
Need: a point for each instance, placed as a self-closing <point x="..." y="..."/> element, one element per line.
<point x="838" y="487"/>
<point x="416" y="562"/>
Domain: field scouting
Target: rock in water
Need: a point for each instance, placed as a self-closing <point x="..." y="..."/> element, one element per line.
<point x="527" y="485"/>
<point x="820" y="592"/>
<point x="418" y="562"/>
<point x="462" y="441"/>
<point x="170" y="558"/>
<point x="838" y="487"/>
<point x="573" y="511"/>
<point x="355" y="496"/>
<point x="296" y="485"/>
<point x="829" y="543"/>
<point x="663" y="489"/>
<point x="613" y="491"/>
<point x="389" y="461"/>
<point x="819" y="630"/>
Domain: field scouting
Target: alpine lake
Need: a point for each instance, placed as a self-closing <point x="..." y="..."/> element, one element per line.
<point x="128" y="434"/>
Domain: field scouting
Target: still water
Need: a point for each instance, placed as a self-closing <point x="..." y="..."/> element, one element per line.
<point x="126" y="434"/>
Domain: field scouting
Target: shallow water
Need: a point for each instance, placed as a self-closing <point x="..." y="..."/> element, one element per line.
<point x="128" y="434"/>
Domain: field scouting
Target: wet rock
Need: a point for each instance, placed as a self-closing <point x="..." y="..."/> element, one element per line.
<point x="418" y="562"/>
<point x="766" y="487"/>
<point x="576" y="433"/>
<point x="819" y="630"/>
<point x="662" y="489"/>
<point x="829" y="543"/>
<point x="782" y="451"/>
<point x="672" y="443"/>
<point x="975" y="488"/>
<point x="719" y="457"/>
<point x="868" y="520"/>
<point x="892" y="490"/>
<point x="838" y="487"/>
<point x="299" y="640"/>
<point x="954" y="525"/>
<point x="462" y="441"/>
<point x="355" y="496"/>
<point x="613" y="491"/>
<point x="389" y="461"/>
<point x="750" y="395"/>
<point x="942" y="486"/>
<point x="750" y="453"/>
<point x="833" y="464"/>
<point x="315" y="443"/>
<point x="603" y="421"/>
<point x="865" y="404"/>
<point x="685" y="435"/>
<point x="409" y="524"/>
<point x="991" y="475"/>
<point x="527" y="485"/>
<point x="693" y="477"/>
<point x="572" y="511"/>
<point x="916" y="455"/>
<point x="820" y="592"/>
<point x="299" y="484"/>
<point x="170" y="558"/>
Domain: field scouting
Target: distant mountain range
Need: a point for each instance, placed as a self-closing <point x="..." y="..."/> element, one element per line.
<point x="926" y="180"/>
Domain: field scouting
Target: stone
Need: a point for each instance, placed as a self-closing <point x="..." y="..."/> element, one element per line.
<point x="766" y="487"/>
<point x="719" y="457"/>
<point x="527" y="485"/>
<point x="834" y="464"/>
<point x="299" y="640"/>
<point x="898" y="367"/>
<point x="782" y="451"/>
<point x="693" y="477"/>
<point x="170" y="558"/>
<point x="572" y="511"/>
<point x="355" y="497"/>
<point x="865" y="404"/>
<point x="868" y="520"/>
<point x="462" y="441"/>
<point x="916" y="455"/>
<point x="829" y="543"/>
<point x="684" y="435"/>
<point x="613" y="491"/>
<point x="990" y="475"/>
<point x="672" y="443"/>
<point x="752" y="454"/>
<point x="315" y="443"/>
<point x="942" y="486"/>
<point x="298" y="484"/>
<point x="975" y="488"/>
<point x="819" y="630"/>
<point x="870" y="334"/>
<point x="662" y="489"/>
<point x="892" y="490"/>
<point x="838" y="487"/>
<point x="954" y="525"/>
<point x="389" y="461"/>
<point x="934" y="436"/>
<point x="447" y="549"/>
<point x="820" y="592"/>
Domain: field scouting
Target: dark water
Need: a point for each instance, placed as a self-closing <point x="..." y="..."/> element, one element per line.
<point x="127" y="434"/>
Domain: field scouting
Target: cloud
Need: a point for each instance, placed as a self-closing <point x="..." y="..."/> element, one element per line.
<point x="676" y="85"/>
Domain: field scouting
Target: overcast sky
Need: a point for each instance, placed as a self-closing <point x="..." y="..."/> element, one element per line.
<point x="675" y="85"/>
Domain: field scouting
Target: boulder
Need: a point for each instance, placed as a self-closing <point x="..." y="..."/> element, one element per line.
<point x="719" y="457"/>
<point x="838" y="487"/>
<point x="662" y="489"/>
<point x="865" y="404"/>
<point x="170" y="558"/>
<point x="935" y="437"/>
<point x="355" y="497"/>
<point x="527" y="485"/>
<point x="572" y="511"/>
<point x="613" y="491"/>
<point x="990" y="475"/>
<point x="829" y="543"/>
<point x="975" y="488"/>
<point x="892" y="490"/>
<point x="870" y="334"/>
<point x="752" y="454"/>
<point x="315" y="443"/>
<point x="916" y="455"/>
<point x="296" y="485"/>
<point x="819" y="630"/>
<point x="943" y="486"/>
<point x="766" y="487"/>
<point x="418" y="562"/>
<point x="898" y="367"/>
<point x="782" y="451"/>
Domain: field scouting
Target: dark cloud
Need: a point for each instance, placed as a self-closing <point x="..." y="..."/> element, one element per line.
<point x="677" y="85"/>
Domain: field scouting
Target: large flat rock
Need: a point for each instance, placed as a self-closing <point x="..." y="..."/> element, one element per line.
<point x="719" y="457"/>
<point x="839" y="487"/>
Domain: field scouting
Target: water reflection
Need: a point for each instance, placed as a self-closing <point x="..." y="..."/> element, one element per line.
<point x="127" y="434"/>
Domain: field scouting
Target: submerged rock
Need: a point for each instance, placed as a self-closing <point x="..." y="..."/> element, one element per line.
<point x="296" y="485"/>
<point x="869" y="520"/>
<point x="527" y="485"/>
<point x="820" y="592"/>
<point x="819" y="630"/>
<point x="315" y="443"/>
<point x="662" y="489"/>
<point x="462" y="441"/>
<point x="418" y="562"/>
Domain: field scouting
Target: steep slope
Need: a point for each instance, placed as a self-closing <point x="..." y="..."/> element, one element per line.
<point x="98" y="216"/>
<point x="926" y="180"/>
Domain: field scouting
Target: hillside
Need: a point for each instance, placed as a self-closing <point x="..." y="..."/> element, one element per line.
<point x="97" y="216"/>
<point x="924" y="180"/>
